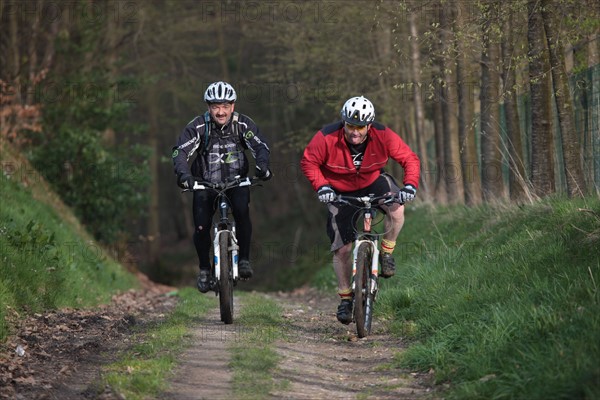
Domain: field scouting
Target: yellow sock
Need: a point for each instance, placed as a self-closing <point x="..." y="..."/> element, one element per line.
<point x="387" y="246"/>
<point x="345" y="294"/>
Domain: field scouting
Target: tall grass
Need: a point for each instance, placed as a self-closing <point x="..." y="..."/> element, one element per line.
<point x="45" y="262"/>
<point x="501" y="302"/>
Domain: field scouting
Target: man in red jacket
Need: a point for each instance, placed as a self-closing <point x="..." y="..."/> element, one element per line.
<point x="347" y="157"/>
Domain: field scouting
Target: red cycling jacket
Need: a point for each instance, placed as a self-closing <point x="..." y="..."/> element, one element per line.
<point x="327" y="159"/>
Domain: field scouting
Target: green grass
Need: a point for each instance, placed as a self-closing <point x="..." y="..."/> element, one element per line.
<point x="47" y="262"/>
<point x="253" y="356"/>
<point x="501" y="302"/>
<point x="145" y="369"/>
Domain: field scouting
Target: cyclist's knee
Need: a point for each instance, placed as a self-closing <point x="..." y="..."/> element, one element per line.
<point x="396" y="212"/>
<point x="344" y="251"/>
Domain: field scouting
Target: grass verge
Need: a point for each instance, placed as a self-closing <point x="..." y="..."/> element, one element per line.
<point x="501" y="302"/>
<point x="253" y="356"/>
<point x="144" y="370"/>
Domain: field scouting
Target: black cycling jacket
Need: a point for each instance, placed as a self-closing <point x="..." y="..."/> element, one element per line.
<point x="224" y="157"/>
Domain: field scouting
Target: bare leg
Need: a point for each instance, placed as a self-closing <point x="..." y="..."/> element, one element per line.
<point x="343" y="267"/>
<point x="393" y="222"/>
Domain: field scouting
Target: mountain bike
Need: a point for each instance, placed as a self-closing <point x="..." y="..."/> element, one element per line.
<point x="365" y="257"/>
<point x="225" y="245"/>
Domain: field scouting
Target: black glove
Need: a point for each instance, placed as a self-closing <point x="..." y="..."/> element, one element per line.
<point x="186" y="181"/>
<point x="326" y="194"/>
<point x="264" y="173"/>
<point x="407" y="193"/>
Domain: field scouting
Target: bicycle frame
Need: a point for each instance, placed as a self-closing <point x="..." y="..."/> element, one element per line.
<point x="373" y="243"/>
<point x="365" y="262"/>
<point x="224" y="226"/>
<point x="225" y="272"/>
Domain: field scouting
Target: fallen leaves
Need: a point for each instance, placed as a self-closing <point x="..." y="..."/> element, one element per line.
<point x="49" y="349"/>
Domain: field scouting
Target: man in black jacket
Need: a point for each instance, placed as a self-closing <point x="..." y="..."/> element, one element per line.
<point x="219" y="138"/>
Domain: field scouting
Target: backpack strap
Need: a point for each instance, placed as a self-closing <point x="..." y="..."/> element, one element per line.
<point x="207" y="126"/>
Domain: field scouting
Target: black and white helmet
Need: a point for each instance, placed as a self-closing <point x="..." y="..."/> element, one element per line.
<point x="219" y="92"/>
<point x="358" y="111"/>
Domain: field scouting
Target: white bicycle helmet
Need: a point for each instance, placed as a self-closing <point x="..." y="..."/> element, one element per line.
<point x="358" y="111"/>
<point x="220" y="92"/>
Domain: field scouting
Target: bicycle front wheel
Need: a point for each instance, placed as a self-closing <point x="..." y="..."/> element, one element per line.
<point x="225" y="280"/>
<point x="363" y="301"/>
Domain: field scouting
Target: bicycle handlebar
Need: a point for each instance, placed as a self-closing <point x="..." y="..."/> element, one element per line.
<point x="222" y="186"/>
<point x="367" y="200"/>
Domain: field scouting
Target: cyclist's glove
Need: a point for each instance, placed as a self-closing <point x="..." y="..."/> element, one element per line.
<point x="326" y="194"/>
<point x="186" y="181"/>
<point x="407" y="193"/>
<point x="264" y="173"/>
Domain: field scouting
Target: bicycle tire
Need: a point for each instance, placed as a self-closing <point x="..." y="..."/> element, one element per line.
<point x="363" y="307"/>
<point x="225" y="280"/>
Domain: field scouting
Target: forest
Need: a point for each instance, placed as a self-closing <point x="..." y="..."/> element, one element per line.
<point x="500" y="100"/>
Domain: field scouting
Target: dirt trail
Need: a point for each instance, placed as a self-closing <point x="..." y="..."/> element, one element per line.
<point x="204" y="372"/>
<point x="321" y="359"/>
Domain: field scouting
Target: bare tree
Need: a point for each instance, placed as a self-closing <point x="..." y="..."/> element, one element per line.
<point x="466" y="120"/>
<point x="452" y="166"/>
<point x="419" y="108"/>
<point x="572" y="151"/>
<point x="542" y="144"/>
<point x="516" y="174"/>
<point x="491" y="156"/>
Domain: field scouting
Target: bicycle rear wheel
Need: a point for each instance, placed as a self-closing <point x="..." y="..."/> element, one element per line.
<point x="363" y="301"/>
<point x="225" y="280"/>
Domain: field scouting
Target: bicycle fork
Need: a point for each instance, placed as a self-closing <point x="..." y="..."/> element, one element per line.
<point x="232" y="243"/>
<point x="233" y="248"/>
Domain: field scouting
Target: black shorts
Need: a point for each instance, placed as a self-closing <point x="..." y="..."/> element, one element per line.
<point x="342" y="218"/>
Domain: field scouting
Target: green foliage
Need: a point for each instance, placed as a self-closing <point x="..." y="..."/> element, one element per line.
<point x="103" y="179"/>
<point x="105" y="187"/>
<point x="502" y="302"/>
<point x="45" y="263"/>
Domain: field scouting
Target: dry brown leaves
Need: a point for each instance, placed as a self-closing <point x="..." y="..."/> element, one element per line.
<point x="58" y="354"/>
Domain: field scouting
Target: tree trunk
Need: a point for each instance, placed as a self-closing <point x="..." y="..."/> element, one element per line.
<point x="542" y="150"/>
<point x="572" y="151"/>
<point x="452" y="168"/>
<point x="418" y="102"/>
<point x="441" y="194"/>
<point x="33" y="56"/>
<point x="516" y="174"/>
<point x="153" y="233"/>
<point x="466" y="121"/>
<point x="491" y="155"/>
<point x="15" y="68"/>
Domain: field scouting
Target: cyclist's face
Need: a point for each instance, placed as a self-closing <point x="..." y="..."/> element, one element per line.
<point x="221" y="112"/>
<point x="355" y="134"/>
